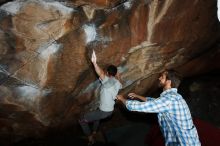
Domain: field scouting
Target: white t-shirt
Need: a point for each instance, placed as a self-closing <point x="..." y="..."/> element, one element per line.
<point x="109" y="90"/>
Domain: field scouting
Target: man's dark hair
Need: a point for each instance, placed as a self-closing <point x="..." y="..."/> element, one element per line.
<point x="112" y="70"/>
<point x="174" y="77"/>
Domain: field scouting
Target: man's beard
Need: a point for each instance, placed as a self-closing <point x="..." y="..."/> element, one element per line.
<point x="160" y="85"/>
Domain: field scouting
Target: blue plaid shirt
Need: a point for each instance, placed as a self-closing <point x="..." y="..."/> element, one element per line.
<point x="173" y="115"/>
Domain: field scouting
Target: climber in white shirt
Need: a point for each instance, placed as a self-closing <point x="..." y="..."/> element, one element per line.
<point x="109" y="89"/>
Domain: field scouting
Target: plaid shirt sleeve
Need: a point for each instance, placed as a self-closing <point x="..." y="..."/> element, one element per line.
<point x="150" y="106"/>
<point x="150" y="98"/>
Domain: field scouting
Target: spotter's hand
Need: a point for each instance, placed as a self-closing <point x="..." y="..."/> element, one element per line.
<point x="132" y="95"/>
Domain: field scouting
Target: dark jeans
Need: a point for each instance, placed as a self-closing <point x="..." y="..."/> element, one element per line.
<point x="93" y="117"/>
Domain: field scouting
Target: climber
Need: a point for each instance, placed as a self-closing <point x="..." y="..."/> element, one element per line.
<point x="173" y="115"/>
<point x="109" y="89"/>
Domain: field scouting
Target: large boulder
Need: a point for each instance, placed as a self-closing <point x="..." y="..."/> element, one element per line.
<point x="46" y="76"/>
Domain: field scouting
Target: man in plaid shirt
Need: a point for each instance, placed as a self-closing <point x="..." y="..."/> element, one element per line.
<point x="173" y="113"/>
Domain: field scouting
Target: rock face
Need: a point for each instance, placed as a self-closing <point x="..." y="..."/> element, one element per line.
<point x="46" y="77"/>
